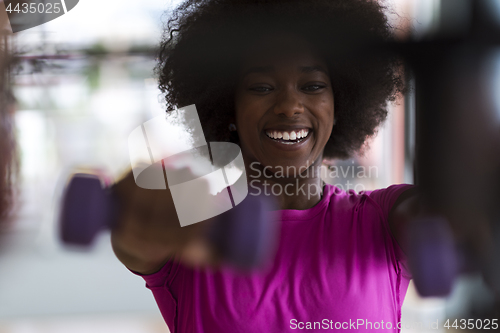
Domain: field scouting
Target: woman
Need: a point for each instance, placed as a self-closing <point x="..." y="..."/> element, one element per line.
<point x="292" y="83"/>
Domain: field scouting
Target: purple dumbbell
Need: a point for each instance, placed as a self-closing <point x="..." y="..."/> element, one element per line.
<point x="245" y="235"/>
<point x="433" y="256"/>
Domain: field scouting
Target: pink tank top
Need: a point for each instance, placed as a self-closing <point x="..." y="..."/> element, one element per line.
<point x="337" y="267"/>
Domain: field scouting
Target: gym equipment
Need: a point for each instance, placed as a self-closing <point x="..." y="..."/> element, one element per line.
<point x="433" y="256"/>
<point x="245" y="236"/>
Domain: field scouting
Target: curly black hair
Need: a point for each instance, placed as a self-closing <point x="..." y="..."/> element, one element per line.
<point x="205" y="40"/>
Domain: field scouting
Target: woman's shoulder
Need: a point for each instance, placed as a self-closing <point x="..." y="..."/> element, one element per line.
<point x="383" y="198"/>
<point x="383" y="193"/>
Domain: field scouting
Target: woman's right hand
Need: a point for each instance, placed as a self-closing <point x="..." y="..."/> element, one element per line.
<point x="148" y="233"/>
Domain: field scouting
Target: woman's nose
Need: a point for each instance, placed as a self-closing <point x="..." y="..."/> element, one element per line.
<point x="289" y="103"/>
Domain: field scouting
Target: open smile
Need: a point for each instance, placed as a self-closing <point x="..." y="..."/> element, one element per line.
<point x="290" y="139"/>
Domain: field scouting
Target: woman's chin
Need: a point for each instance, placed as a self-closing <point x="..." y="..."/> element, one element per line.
<point x="279" y="168"/>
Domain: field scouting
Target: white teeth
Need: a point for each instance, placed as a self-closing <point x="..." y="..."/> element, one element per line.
<point x="286" y="136"/>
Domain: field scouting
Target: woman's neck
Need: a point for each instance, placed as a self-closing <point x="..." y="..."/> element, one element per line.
<point x="292" y="191"/>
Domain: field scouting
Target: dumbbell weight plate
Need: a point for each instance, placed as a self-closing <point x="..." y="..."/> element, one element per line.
<point x="247" y="234"/>
<point x="87" y="208"/>
<point x="433" y="257"/>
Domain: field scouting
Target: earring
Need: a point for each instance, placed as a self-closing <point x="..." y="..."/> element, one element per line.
<point x="232" y="127"/>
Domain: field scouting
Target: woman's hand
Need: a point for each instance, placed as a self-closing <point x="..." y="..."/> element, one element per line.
<point x="148" y="231"/>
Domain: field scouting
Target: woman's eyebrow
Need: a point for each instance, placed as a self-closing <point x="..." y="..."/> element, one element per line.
<point x="310" y="69"/>
<point x="268" y="69"/>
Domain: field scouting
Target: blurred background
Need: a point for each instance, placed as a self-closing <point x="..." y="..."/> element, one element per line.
<point x="83" y="82"/>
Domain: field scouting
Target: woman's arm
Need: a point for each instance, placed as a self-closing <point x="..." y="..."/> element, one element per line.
<point x="406" y="208"/>
<point x="148" y="233"/>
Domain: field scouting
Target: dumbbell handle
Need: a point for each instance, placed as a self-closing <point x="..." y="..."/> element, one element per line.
<point x="245" y="235"/>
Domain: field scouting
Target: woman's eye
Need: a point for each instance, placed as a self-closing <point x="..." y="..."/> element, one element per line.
<point x="261" y="89"/>
<point x="313" y="87"/>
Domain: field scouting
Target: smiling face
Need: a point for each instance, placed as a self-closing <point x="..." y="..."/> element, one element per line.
<point x="284" y="104"/>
